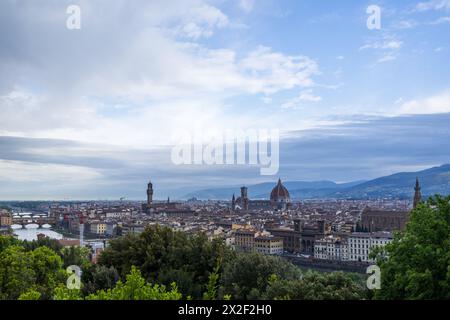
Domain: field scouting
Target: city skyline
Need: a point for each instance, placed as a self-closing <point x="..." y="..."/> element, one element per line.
<point x="93" y="113"/>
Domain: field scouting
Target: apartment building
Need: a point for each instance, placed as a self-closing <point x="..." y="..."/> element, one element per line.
<point x="331" y="248"/>
<point x="244" y="240"/>
<point x="97" y="227"/>
<point x="360" y="244"/>
<point x="268" y="245"/>
<point x="248" y="240"/>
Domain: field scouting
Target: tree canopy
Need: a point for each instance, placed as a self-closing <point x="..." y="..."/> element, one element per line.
<point x="21" y="271"/>
<point x="416" y="265"/>
<point x="247" y="276"/>
<point x="166" y="256"/>
<point x="317" y="286"/>
<point x="134" y="288"/>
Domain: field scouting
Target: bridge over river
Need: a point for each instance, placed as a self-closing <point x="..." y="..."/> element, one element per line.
<point x="39" y="220"/>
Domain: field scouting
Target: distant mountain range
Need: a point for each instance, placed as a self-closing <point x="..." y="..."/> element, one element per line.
<point x="399" y="186"/>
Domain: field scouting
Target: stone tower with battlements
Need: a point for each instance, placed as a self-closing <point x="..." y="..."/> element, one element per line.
<point x="244" y="198"/>
<point x="149" y="195"/>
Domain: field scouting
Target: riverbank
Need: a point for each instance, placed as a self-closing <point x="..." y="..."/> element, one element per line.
<point x="32" y="233"/>
<point x="328" y="266"/>
<point x="70" y="235"/>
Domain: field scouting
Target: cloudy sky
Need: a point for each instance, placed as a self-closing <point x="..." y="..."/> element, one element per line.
<point x="93" y="113"/>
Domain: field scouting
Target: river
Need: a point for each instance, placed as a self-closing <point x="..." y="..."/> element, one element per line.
<point x="31" y="232"/>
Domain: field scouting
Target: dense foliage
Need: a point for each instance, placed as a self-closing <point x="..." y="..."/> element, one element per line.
<point x="95" y="278"/>
<point x="134" y="288"/>
<point x="416" y="265"/>
<point x="247" y="276"/>
<point x="210" y="270"/>
<point x="165" y="256"/>
<point x="317" y="286"/>
<point x="35" y="272"/>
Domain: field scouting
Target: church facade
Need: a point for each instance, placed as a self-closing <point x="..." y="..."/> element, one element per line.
<point x="279" y="200"/>
<point x="166" y="207"/>
<point x="373" y="220"/>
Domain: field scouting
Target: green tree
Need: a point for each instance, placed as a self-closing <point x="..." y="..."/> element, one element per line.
<point x="47" y="266"/>
<point x="74" y="255"/>
<point x="43" y="242"/>
<point x="63" y="293"/>
<point x="7" y="241"/>
<point x="16" y="274"/>
<point x="317" y="286"/>
<point x="165" y="256"/>
<point x="20" y="270"/>
<point x="134" y="288"/>
<point x="247" y="276"/>
<point x="211" y="288"/>
<point x="31" y="294"/>
<point x="416" y="265"/>
<point x="95" y="277"/>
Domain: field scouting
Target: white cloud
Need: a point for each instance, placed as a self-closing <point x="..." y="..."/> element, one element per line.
<point x="246" y="5"/>
<point x="387" y="44"/>
<point x="398" y="101"/>
<point x="22" y="111"/>
<point x="386" y="47"/>
<point x="149" y="64"/>
<point x="440" y="20"/>
<point x="266" y="100"/>
<point x="387" y="57"/>
<point x="201" y="21"/>
<point x="269" y="71"/>
<point x="433" y="5"/>
<point x="20" y="171"/>
<point x="440" y="49"/>
<point x="439" y="103"/>
<point x="305" y="96"/>
<point x="406" y="24"/>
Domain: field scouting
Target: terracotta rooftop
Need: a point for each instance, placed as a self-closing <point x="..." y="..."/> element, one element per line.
<point x="69" y="242"/>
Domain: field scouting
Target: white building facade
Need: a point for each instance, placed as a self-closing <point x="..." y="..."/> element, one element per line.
<point x="331" y="248"/>
<point x="360" y="244"/>
<point x="355" y="247"/>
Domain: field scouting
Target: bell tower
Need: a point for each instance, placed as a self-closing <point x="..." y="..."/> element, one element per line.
<point x="417" y="194"/>
<point x="244" y="198"/>
<point x="149" y="195"/>
<point x="233" y="203"/>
